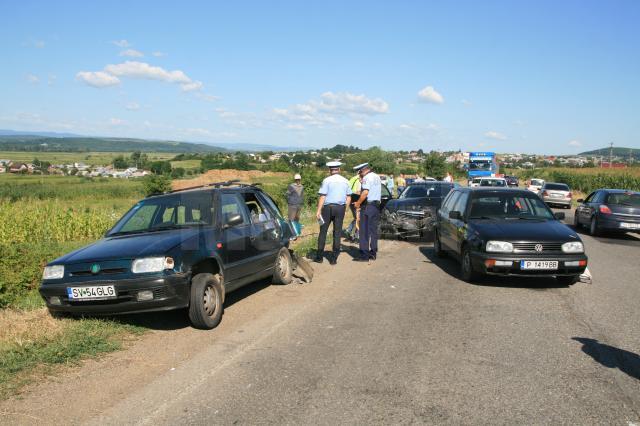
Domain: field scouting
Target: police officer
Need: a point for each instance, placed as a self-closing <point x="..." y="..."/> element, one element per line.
<point x="335" y="195"/>
<point x="369" y="206"/>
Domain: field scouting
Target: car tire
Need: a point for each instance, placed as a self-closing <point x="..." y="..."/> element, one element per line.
<point x="467" y="272"/>
<point x="206" y="304"/>
<point x="576" y="221"/>
<point x="594" y="231"/>
<point x="283" y="269"/>
<point x="570" y="280"/>
<point x="437" y="246"/>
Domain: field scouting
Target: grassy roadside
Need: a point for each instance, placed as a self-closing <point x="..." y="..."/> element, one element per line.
<point x="34" y="345"/>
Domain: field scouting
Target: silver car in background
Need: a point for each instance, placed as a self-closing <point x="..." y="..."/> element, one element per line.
<point x="556" y="194"/>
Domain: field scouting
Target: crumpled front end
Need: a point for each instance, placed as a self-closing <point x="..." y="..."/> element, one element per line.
<point x="408" y="222"/>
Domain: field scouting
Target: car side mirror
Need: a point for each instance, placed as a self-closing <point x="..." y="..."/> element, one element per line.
<point x="559" y="215"/>
<point x="455" y="215"/>
<point x="580" y="200"/>
<point x="233" y="220"/>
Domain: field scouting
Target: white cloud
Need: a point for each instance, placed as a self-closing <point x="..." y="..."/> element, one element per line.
<point x="329" y="109"/>
<point x="33" y="79"/>
<point x="294" y="126"/>
<point x="97" y="78"/>
<point x="132" y="53"/>
<point x="121" y="43"/>
<point x="358" y="124"/>
<point x="575" y="143"/>
<point x="159" y="54"/>
<point x="52" y="79"/>
<point x="466" y="102"/>
<point x="429" y="94"/>
<point x="133" y="106"/>
<point x="116" y="122"/>
<point x="495" y="135"/>
<point x="138" y="70"/>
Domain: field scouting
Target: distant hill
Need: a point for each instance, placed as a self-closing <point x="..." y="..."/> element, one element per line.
<point x="92" y="144"/>
<point x="6" y="132"/>
<point x="617" y="152"/>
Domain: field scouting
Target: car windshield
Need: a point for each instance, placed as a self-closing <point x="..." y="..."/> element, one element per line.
<point x="480" y="165"/>
<point x="509" y="206"/>
<point x="624" y="199"/>
<point x="170" y="212"/>
<point x="537" y="182"/>
<point x="556" y="187"/>
<point x="493" y="182"/>
<point x="476" y="180"/>
<point x="420" y="191"/>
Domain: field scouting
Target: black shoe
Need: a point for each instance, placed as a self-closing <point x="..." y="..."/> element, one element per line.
<point x="360" y="259"/>
<point x="318" y="259"/>
<point x="372" y="257"/>
<point x="333" y="260"/>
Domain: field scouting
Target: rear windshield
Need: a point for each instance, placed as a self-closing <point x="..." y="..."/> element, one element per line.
<point x="421" y="191"/>
<point x="556" y="187"/>
<point x="493" y="182"/>
<point x="537" y="182"/>
<point x="175" y="211"/>
<point x="624" y="199"/>
<point x="476" y="180"/>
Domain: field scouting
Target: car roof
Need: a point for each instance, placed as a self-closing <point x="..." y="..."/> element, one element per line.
<point x="494" y="189"/>
<point x="619" y="191"/>
<point x="431" y="182"/>
<point x="209" y="188"/>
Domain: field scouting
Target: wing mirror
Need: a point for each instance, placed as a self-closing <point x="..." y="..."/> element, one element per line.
<point x="559" y="215"/>
<point x="455" y="215"/>
<point x="580" y="200"/>
<point x="233" y="220"/>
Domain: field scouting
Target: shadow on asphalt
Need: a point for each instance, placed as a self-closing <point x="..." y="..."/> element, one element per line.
<point x="611" y="357"/>
<point x="452" y="267"/>
<point x="178" y="319"/>
<point x="626" y="239"/>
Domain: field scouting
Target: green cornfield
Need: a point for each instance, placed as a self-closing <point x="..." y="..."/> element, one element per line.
<point x="588" y="180"/>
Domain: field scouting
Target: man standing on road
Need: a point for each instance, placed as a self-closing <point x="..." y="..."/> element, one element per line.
<point x="335" y="195"/>
<point x="448" y="178"/>
<point x="295" y="198"/>
<point x="354" y="185"/>
<point x="402" y="184"/>
<point x="390" y="184"/>
<point x="369" y="206"/>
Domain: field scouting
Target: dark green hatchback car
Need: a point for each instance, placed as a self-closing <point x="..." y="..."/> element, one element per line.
<point x="185" y="249"/>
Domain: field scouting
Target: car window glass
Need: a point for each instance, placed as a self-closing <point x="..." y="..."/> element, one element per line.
<point x="270" y="205"/>
<point x="141" y="219"/>
<point x="589" y="199"/>
<point x="597" y="198"/>
<point x="509" y="206"/>
<point x="461" y="203"/>
<point x="385" y="191"/>
<point x="450" y="202"/>
<point x="257" y="212"/>
<point x="230" y="205"/>
<point x="629" y="199"/>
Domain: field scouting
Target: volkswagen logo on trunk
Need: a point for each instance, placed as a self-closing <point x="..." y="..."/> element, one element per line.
<point x="95" y="268"/>
<point x="538" y="247"/>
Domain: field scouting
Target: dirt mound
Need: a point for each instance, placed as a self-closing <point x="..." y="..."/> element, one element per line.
<point x="245" y="176"/>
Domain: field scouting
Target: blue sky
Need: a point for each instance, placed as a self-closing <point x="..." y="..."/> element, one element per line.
<point x="514" y="76"/>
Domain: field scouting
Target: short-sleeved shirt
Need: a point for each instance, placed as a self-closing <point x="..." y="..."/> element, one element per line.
<point x="354" y="184"/>
<point x="371" y="182"/>
<point x="336" y="190"/>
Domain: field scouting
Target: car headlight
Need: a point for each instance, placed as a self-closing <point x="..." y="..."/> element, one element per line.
<point x="54" y="272"/>
<point x="151" y="264"/>
<point x="573" y="247"/>
<point x="499" y="247"/>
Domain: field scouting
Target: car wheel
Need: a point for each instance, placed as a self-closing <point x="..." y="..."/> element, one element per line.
<point x="567" y="280"/>
<point x="206" y="304"/>
<point x="437" y="246"/>
<point x="282" y="271"/>
<point x="593" y="228"/>
<point x="466" y="267"/>
<point x="576" y="221"/>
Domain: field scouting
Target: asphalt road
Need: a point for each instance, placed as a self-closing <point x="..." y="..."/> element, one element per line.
<point x="401" y="340"/>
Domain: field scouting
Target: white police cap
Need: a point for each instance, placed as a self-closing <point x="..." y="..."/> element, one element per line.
<point x="361" y="166"/>
<point x="334" y="164"/>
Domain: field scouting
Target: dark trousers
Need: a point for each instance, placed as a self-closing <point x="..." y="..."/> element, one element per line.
<point x="369" y="220"/>
<point x="331" y="213"/>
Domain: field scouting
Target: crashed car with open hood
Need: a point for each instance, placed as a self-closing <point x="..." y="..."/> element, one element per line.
<point x="414" y="212"/>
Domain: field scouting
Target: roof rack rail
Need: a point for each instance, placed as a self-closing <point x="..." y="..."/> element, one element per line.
<point x="215" y="185"/>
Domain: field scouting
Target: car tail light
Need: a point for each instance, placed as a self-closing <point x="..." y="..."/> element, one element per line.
<point x="545" y="194"/>
<point x="605" y="209"/>
<point x="570" y="195"/>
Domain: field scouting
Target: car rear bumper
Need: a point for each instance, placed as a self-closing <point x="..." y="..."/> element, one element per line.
<point x="480" y="263"/>
<point x="619" y="224"/>
<point x="557" y="201"/>
<point x="169" y="292"/>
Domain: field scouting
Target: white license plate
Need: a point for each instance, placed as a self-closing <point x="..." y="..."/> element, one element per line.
<point x="539" y="264"/>
<point x="91" y="293"/>
<point x="630" y="225"/>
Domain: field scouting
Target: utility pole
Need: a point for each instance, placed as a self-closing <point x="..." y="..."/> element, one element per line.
<point x="610" y="154"/>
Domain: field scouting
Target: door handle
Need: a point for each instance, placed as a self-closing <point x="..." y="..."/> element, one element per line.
<point x="252" y="238"/>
